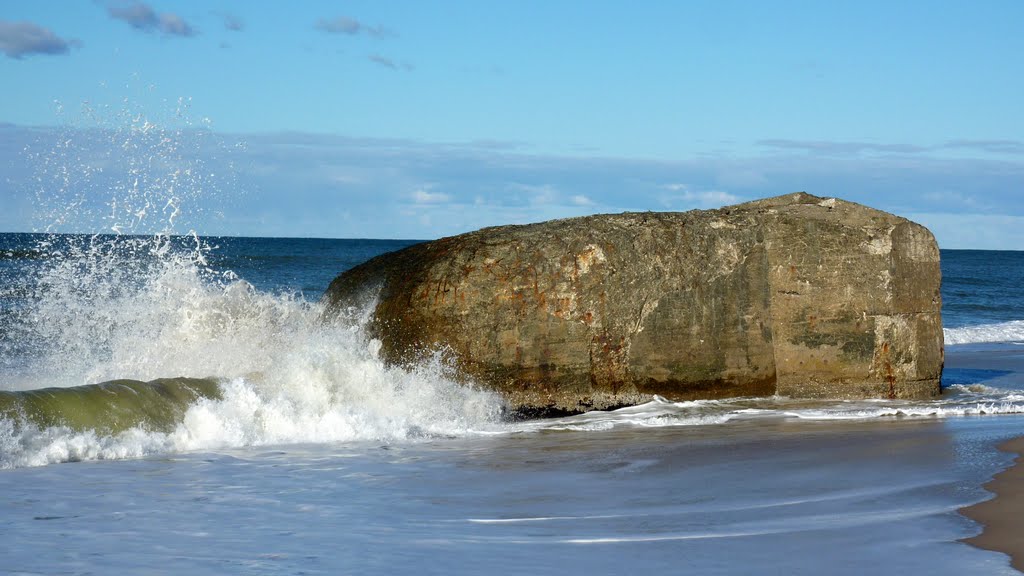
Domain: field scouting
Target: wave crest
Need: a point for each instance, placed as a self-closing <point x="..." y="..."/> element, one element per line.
<point x="1011" y="331"/>
<point x="105" y="308"/>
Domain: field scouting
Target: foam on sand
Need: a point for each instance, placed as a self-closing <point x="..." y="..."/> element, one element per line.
<point x="1001" y="515"/>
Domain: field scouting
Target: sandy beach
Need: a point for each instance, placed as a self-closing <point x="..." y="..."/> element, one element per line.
<point x="1001" y="515"/>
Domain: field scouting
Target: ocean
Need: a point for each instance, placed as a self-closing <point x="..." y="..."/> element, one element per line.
<point x="316" y="458"/>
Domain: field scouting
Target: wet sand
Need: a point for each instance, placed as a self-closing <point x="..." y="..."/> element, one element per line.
<point x="1003" y="515"/>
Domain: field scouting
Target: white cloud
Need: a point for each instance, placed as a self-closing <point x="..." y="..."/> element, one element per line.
<point x="142" y="17"/>
<point x="985" y="231"/>
<point x="293" y="180"/>
<point x="425" y="196"/>
<point x="685" y="197"/>
<point x="537" y="194"/>
<point x="712" y="198"/>
<point x="350" y="27"/>
<point x="19" y="39"/>
<point x="390" y="63"/>
<point x="952" y="198"/>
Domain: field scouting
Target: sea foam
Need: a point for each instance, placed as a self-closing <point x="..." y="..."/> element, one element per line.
<point x="142" y="302"/>
<point x="287" y="375"/>
<point x="1011" y="331"/>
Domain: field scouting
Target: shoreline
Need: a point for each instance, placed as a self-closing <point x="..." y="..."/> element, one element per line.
<point x="1000" y="516"/>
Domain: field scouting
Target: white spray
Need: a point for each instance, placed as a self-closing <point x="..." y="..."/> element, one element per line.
<point x="141" y="302"/>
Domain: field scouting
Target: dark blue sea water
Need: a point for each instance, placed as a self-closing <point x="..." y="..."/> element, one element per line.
<point x="319" y="459"/>
<point x="302" y="265"/>
<point x="305" y="265"/>
<point x="982" y="287"/>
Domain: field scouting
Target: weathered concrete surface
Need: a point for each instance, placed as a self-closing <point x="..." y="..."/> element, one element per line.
<point x="796" y="295"/>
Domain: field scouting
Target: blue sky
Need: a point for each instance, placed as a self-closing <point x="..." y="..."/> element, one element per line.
<point x="422" y="119"/>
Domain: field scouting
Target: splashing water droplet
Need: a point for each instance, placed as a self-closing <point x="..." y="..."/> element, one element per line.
<point x="145" y="303"/>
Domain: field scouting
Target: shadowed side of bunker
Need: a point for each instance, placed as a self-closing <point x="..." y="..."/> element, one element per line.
<point x="796" y="295"/>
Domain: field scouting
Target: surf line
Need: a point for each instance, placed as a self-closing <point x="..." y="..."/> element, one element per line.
<point x="1001" y="515"/>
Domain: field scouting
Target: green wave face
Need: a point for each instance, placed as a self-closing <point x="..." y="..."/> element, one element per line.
<point x="110" y="407"/>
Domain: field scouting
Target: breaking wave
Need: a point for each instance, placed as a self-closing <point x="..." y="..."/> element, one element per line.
<point x="212" y="361"/>
<point x="1012" y="331"/>
<point x="270" y="370"/>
